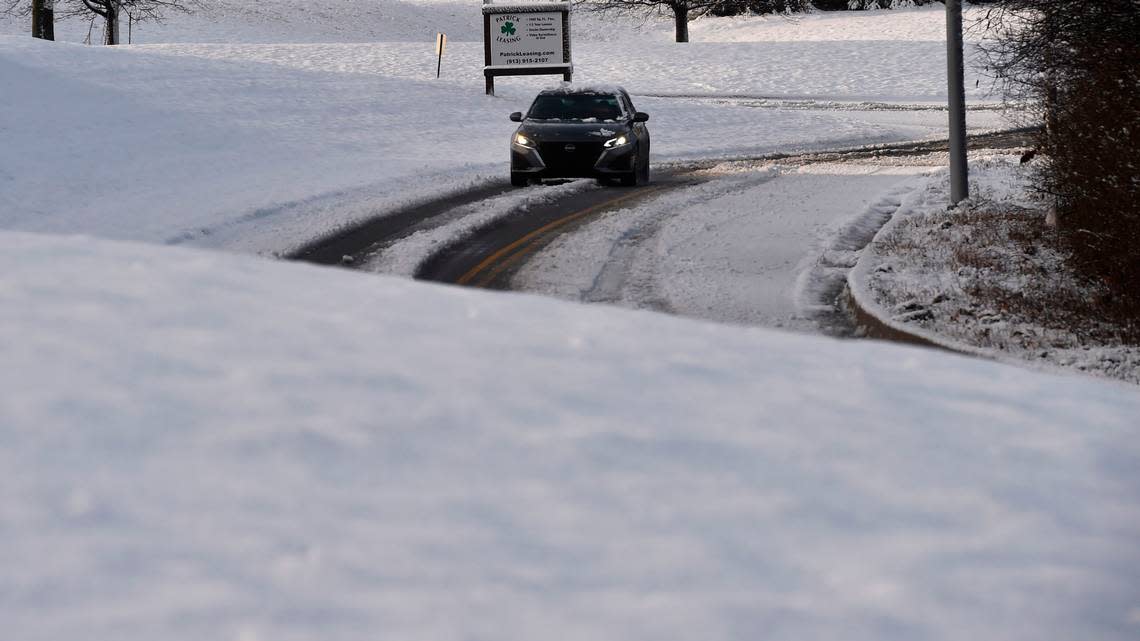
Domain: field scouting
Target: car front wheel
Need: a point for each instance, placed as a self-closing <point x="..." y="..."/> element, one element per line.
<point x="633" y="177"/>
<point x="643" y="168"/>
<point x="519" y="179"/>
<point x="643" y="172"/>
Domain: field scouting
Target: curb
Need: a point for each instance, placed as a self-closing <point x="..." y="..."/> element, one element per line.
<point x="874" y="322"/>
<point x="873" y="327"/>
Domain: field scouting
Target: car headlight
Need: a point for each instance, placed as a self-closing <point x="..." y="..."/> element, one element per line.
<point x="523" y="141"/>
<point x="616" y="142"/>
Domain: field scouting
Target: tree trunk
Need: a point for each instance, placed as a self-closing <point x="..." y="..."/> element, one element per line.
<point x="37" y="13"/>
<point x="681" y="21"/>
<point x="1051" y="124"/>
<point x="43" y="19"/>
<point x="111" y="24"/>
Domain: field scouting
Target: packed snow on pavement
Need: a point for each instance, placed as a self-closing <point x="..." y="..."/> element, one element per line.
<point x="198" y="444"/>
<point x="738" y="248"/>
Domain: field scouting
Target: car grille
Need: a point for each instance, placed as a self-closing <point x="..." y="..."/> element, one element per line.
<point x="578" y="162"/>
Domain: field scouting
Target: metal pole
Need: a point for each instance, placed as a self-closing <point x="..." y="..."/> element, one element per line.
<point x="955" y="78"/>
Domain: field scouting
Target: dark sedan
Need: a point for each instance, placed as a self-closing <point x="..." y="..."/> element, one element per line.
<point x="577" y="132"/>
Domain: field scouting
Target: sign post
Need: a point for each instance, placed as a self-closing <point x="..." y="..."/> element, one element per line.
<point x="526" y="40"/>
<point x="440" y="43"/>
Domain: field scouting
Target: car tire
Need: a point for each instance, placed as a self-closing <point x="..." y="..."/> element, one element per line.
<point x="643" y="171"/>
<point x="519" y="179"/>
<point x="644" y="177"/>
<point x="630" y="179"/>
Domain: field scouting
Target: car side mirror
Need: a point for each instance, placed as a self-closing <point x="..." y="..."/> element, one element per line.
<point x="641" y="116"/>
<point x="516" y="116"/>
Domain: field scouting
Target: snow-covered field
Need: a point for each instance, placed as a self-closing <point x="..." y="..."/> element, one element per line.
<point x="199" y="445"/>
<point x="262" y="147"/>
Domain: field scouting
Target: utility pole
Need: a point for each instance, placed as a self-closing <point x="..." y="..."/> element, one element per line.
<point x="955" y="78"/>
<point x="43" y="19"/>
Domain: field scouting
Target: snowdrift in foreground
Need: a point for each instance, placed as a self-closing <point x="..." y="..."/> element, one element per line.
<point x="204" y="446"/>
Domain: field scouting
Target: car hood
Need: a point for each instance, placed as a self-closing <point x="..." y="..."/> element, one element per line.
<point x="572" y="130"/>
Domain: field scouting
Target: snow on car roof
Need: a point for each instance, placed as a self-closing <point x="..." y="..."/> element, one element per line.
<point x="569" y="87"/>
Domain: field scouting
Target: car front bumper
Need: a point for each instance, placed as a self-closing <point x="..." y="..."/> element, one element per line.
<point x="584" y="160"/>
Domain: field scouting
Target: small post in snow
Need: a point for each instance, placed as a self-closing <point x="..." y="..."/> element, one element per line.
<point x="955" y="78"/>
<point x="440" y="43"/>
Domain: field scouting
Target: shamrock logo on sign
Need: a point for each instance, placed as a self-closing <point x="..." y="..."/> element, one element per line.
<point x="508" y="28"/>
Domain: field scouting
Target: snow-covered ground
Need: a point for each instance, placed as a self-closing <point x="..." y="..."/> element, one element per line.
<point x="198" y="445"/>
<point x="262" y="147"/>
<point x="954" y="278"/>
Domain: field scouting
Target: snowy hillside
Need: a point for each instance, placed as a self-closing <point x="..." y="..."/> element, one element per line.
<point x="204" y="446"/>
<point x="284" y="21"/>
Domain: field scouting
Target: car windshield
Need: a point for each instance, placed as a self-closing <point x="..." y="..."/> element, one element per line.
<point x="575" y="106"/>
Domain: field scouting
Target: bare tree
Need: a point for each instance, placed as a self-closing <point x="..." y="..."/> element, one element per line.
<point x="855" y="5"/>
<point x="18" y="8"/>
<point x="112" y="11"/>
<point x="759" y="7"/>
<point x="40" y="11"/>
<point x="681" y="10"/>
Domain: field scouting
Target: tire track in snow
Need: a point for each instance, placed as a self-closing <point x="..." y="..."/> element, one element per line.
<point x="618" y="279"/>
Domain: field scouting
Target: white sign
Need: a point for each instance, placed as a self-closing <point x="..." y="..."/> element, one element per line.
<point x="531" y="39"/>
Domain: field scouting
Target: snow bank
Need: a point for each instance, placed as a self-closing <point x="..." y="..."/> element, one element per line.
<point x="199" y="445"/>
<point x="919" y="275"/>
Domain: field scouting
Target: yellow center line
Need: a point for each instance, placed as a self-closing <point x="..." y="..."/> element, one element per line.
<point x="490" y="260"/>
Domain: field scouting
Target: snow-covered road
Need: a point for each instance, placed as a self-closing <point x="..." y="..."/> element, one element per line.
<point x="730" y="249"/>
<point x="757" y="242"/>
